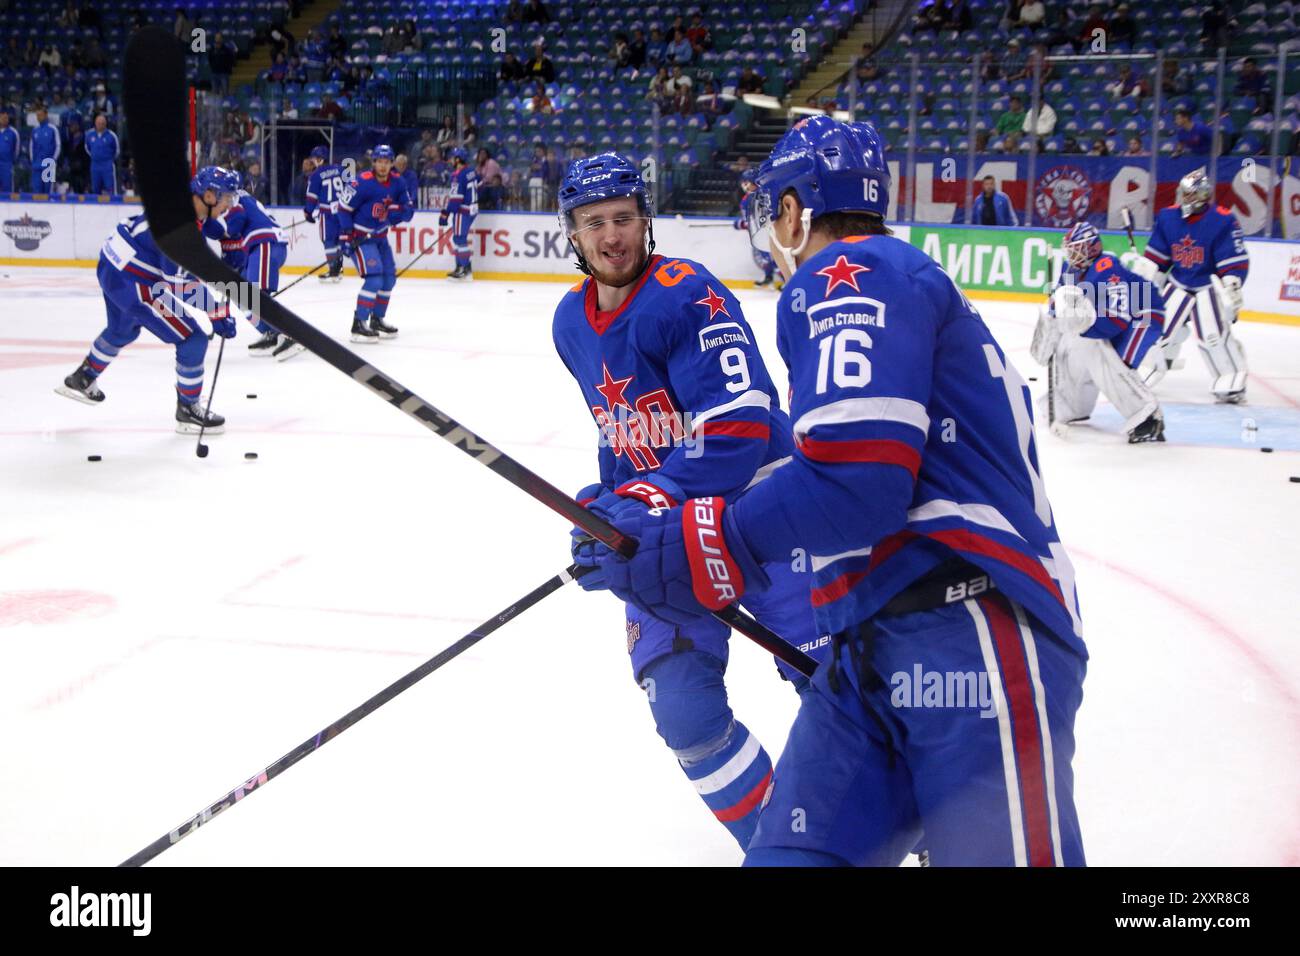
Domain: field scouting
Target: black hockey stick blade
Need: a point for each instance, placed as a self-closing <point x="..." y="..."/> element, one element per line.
<point x="156" y="111"/>
<point x="314" y="743"/>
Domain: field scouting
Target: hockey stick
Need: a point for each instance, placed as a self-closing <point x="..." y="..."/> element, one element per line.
<point x="201" y="449"/>
<point x="414" y="261"/>
<point x="155" y="97"/>
<point x="300" y="278"/>
<point x="710" y="225"/>
<point x="1126" y="217"/>
<point x="312" y="744"/>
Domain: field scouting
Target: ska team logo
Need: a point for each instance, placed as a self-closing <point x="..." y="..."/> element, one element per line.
<point x="1062" y="196"/>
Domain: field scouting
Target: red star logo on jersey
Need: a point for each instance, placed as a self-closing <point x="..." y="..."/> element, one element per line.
<point x="715" y="303"/>
<point x="842" y="273"/>
<point x="613" y="389"/>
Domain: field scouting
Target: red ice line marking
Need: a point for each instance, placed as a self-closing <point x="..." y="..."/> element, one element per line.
<point x="399" y="615"/>
<point x="1236" y="641"/>
<point x="51" y="606"/>
<point x="79" y="344"/>
<point x="1256" y="377"/>
<point x="266" y="575"/>
<point x="15" y="545"/>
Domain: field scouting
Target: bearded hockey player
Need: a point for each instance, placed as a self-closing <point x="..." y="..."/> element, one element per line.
<point x="670" y="372"/>
<point x="915" y="481"/>
<point x="1092" y="336"/>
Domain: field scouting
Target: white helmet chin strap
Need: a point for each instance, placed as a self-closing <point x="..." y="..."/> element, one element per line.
<point x="785" y="252"/>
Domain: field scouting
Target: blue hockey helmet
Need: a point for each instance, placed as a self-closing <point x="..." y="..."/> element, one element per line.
<point x="382" y="152"/>
<point x="1081" y="245"/>
<point x="458" y="152"/>
<point x="217" y="178"/>
<point x="596" y="179"/>
<point x="320" y="152"/>
<point x="749" y="176"/>
<point x="832" y="166"/>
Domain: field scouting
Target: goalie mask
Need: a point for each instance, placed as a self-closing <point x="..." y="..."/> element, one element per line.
<point x="1194" y="193"/>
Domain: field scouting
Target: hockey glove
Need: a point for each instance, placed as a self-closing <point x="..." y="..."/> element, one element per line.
<point x="309" y="215"/>
<point x="1141" y="265"/>
<point x="347" y="248"/>
<point x="1074" y="310"/>
<point x="689" y="562"/>
<point x="1232" y="297"/>
<point x="583" y="546"/>
<point x="222" y="324"/>
<point x="233" y="254"/>
<point x="442" y="220"/>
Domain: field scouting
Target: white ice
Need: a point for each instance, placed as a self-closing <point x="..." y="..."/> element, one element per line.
<point x="171" y="625"/>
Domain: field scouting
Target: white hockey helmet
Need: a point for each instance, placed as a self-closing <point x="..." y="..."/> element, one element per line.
<point x="1194" y="193"/>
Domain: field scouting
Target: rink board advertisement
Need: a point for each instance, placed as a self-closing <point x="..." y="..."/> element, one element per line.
<point x="985" y="261"/>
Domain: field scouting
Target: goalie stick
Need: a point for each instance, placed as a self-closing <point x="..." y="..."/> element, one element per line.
<point x="155" y="106"/>
<point x="1126" y="217"/>
<point x="314" y="743"/>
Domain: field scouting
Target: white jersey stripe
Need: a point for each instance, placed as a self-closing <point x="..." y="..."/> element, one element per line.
<point x="1018" y="836"/>
<point x="902" y="410"/>
<point x="822" y="561"/>
<point x="985" y="515"/>
<point x="751" y="399"/>
<point x="730" y="771"/>
<point x="767" y="470"/>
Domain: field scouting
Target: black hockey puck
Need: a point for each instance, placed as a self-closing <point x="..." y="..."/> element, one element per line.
<point x="93" y="458"/>
<point x="1033" y="378"/>
<point x="250" y="455"/>
<point x="252" y="395"/>
<point x="1295" y="479"/>
<point x="1266" y="449"/>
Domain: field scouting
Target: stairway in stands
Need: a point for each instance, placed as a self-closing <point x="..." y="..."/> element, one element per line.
<point x="313" y="14"/>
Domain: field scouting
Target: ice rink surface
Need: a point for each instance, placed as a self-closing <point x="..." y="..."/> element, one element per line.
<point x="171" y="625"/>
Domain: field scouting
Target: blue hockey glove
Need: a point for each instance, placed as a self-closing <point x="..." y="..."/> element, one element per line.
<point x="309" y="215"/>
<point x="442" y="220"/>
<point x="347" y="248"/>
<point x="689" y="562"/>
<point x="233" y="254"/>
<point x="583" y="546"/>
<point x="222" y="324"/>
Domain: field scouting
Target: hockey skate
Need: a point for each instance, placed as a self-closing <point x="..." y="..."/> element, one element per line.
<point x="265" y="346"/>
<point x="335" y="273"/>
<point x="1150" y="429"/>
<point x="190" y="419"/>
<point x="363" y="333"/>
<point x="763" y="282"/>
<point x="80" y="386"/>
<point x="462" y="273"/>
<point x="382" y="328"/>
<point x="287" y="349"/>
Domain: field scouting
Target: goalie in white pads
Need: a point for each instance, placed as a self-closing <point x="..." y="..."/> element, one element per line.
<point x="1202" y="248"/>
<point x="1101" y="321"/>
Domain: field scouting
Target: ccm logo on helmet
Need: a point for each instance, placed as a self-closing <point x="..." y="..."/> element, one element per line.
<point x="712" y="558"/>
<point x="596" y="179"/>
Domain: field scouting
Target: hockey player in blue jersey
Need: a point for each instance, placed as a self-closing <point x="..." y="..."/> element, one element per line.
<point x="10" y="143"/>
<point x="946" y="706"/>
<point x="366" y="213"/>
<point x="143" y="289"/>
<point x="672" y="376"/>
<point x="462" y="207"/>
<point x="44" y="148"/>
<point x="1092" y="336"/>
<point x="251" y="242"/>
<point x="325" y="188"/>
<point x="103" y="149"/>
<point x="1204" y="252"/>
<point x="762" y="258"/>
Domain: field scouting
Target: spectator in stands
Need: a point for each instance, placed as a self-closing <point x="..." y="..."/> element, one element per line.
<point x="489" y="178"/>
<point x="394" y="40"/>
<point x="981" y="140"/>
<point x="1253" y="83"/>
<point x="1046" y="121"/>
<point x="542" y="104"/>
<point x="1128" y="84"/>
<point x="92" y="55"/>
<point x="1099" y="147"/>
<point x="183" y="26"/>
<point x="78" y="158"/>
<point x="298" y="192"/>
<point x="1215" y="22"/>
<point x="620" y="54"/>
<point x="993" y="206"/>
<point x="50" y="59"/>
<point x="101" y="102"/>
<point x="279" y="70"/>
<point x="1038" y="61"/>
<point x="402" y="167"/>
<point x="865" y="67"/>
<point x="511" y="69"/>
<point x="1134" y="147"/>
<point x="536" y="12"/>
<point x="1014" y="66"/>
<point x="515" y="12"/>
<point x="329" y="109"/>
<point x="679" y="50"/>
<point x="1191" y="136"/>
<point x="469" y="135"/>
<point x="288" y="110"/>
<point x="637" y="50"/>
<point x="658" y="91"/>
<point x="313" y="54"/>
<point x="656" y="52"/>
<point x="1123" y="29"/>
<point x="1174" y="82"/>
<point x="710" y="103"/>
<point x="31" y="53"/>
<point x="1031" y="14"/>
<point x="539" y="174"/>
<point x="281" y="40"/>
<point x="417" y="146"/>
<point x="698" y="35"/>
<point x="929" y="16"/>
<point x="447" y="132"/>
<point x="1071" y="145"/>
<point x="13" y="53"/>
<point x="255" y="184"/>
<point x="1013" y="119"/>
<point x="678" y="91"/>
<point x="750" y="82"/>
<point x="1010" y="143"/>
<point x="221" y="63"/>
<point x="540" y="66"/>
<point x="956" y="15"/>
<point x="336" y="47"/>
